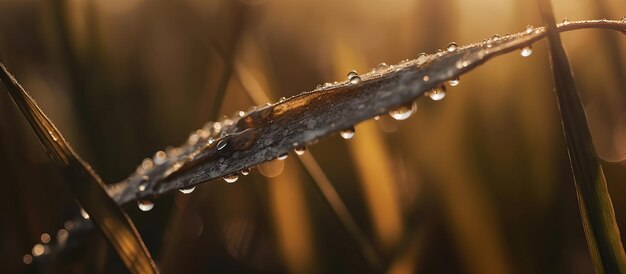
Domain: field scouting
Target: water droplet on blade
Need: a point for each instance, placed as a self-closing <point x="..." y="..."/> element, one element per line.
<point x="347" y="133"/>
<point x="245" y="171"/>
<point x="299" y="150"/>
<point x="84" y="214"/>
<point x="452" y="47"/>
<point x="529" y="29"/>
<point x="231" y="178"/>
<point x="283" y="157"/>
<point x="159" y="157"/>
<point x="381" y="67"/>
<point x="454" y="82"/>
<point x="353" y="77"/>
<point x="421" y="58"/>
<point x="526" y="51"/>
<point x="403" y="112"/>
<point x="221" y="144"/>
<point x="437" y="94"/>
<point x="187" y="190"/>
<point x="145" y="205"/>
<point x="426" y="78"/>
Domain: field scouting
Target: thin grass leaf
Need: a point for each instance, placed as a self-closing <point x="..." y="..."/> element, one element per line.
<point x="88" y="188"/>
<point x="596" y="209"/>
<point x="266" y="132"/>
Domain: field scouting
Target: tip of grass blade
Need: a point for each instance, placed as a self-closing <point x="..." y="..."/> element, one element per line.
<point x="84" y="183"/>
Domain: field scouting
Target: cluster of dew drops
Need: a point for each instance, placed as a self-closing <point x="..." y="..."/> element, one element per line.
<point x="205" y="134"/>
<point x="399" y="113"/>
<point x="402" y="112"/>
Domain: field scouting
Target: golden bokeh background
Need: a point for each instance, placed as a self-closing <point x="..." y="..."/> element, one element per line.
<point x="476" y="183"/>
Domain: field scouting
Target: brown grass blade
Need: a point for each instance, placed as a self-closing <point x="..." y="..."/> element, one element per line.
<point x="596" y="209"/>
<point x="268" y="131"/>
<point x="83" y="181"/>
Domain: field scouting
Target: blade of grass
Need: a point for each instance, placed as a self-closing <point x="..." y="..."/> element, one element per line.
<point x="596" y="209"/>
<point x="88" y="188"/>
<point x="273" y="130"/>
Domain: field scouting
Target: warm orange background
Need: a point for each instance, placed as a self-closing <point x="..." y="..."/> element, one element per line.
<point x="476" y="183"/>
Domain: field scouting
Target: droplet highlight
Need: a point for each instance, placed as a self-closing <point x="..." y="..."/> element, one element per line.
<point x="299" y="150"/>
<point x="231" y="178"/>
<point x="221" y="144"/>
<point x="353" y="77"/>
<point x="403" y="112"/>
<point x="437" y="93"/>
<point x="454" y="82"/>
<point x="145" y="205"/>
<point x="347" y="133"/>
<point x="245" y="171"/>
<point x="526" y="51"/>
<point x="84" y="214"/>
<point x="452" y="47"/>
<point x="283" y="156"/>
<point x="187" y="190"/>
<point x="381" y="67"/>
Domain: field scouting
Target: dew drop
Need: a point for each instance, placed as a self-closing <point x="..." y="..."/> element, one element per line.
<point x="145" y="205"/>
<point x="353" y="77"/>
<point x="245" y="171"/>
<point x="299" y="150"/>
<point x="347" y="133"/>
<point x="454" y="82"/>
<point x="84" y="214"/>
<point x="328" y="84"/>
<point x="187" y="190"/>
<point x="381" y="67"/>
<point x="146" y="163"/>
<point x="231" y="178"/>
<point x="221" y="144"/>
<point x="159" y="157"/>
<point x="283" y="157"/>
<point x="403" y="112"/>
<point x="421" y="58"/>
<point x="144" y="183"/>
<point x="426" y="78"/>
<point x="282" y="99"/>
<point x="529" y="29"/>
<point x="452" y="47"/>
<point x="565" y="21"/>
<point x="438" y="93"/>
<point x="526" y="51"/>
<point x="377" y="117"/>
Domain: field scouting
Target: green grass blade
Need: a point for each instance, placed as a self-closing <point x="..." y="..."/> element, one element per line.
<point x="596" y="209"/>
<point x="88" y="188"/>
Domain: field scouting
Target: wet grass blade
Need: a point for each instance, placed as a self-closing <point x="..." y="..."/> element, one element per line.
<point x="272" y="130"/>
<point x="596" y="209"/>
<point x="88" y="188"/>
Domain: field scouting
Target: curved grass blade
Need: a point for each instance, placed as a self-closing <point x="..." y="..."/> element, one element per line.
<point x="596" y="209"/>
<point x="83" y="181"/>
<point x="266" y="132"/>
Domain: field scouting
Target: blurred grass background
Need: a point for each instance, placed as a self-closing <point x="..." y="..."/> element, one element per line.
<point x="476" y="183"/>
